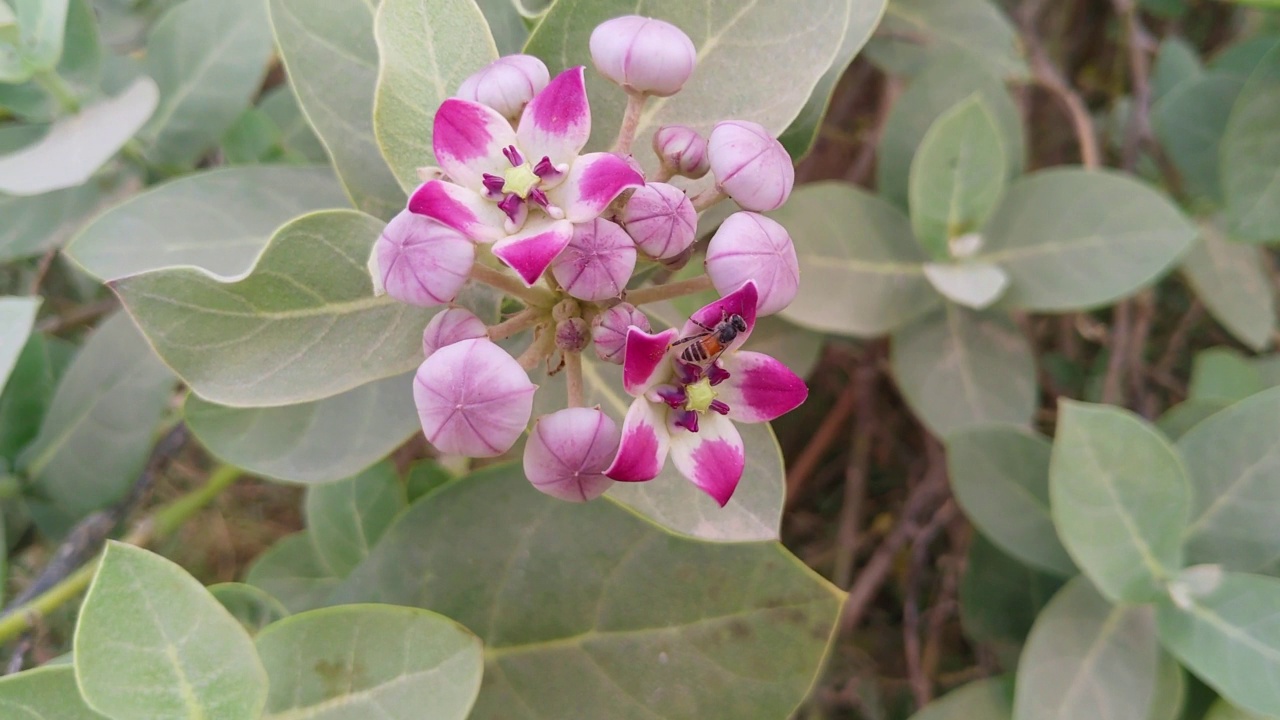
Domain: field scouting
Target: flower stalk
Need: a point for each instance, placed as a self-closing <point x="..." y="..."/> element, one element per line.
<point x="534" y="297"/>
<point x="522" y="320"/>
<point x="573" y="379"/>
<point x="630" y="122"/>
<point x="658" y="293"/>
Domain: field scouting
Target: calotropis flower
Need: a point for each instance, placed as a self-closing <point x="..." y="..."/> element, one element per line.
<point x="522" y="189"/>
<point x="688" y="410"/>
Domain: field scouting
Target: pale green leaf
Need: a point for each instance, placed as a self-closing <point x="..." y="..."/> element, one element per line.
<point x="253" y="607"/>
<point x="1223" y="710"/>
<point x="80" y="68"/>
<point x="425" y="476"/>
<point x="291" y="571"/>
<point x="252" y="139"/>
<point x="1225" y="375"/>
<point x="218" y="220"/>
<point x="986" y="699"/>
<point x="329" y="51"/>
<point x="638" y="622"/>
<point x="1242" y="57"/>
<point x="1190" y="121"/>
<point x="1170" y="695"/>
<point x="506" y="24"/>
<point x="1087" y="658"/>
<point x="302" y="325"/>
<point x="17" y="317"/>
<point x="915" y="32"/>
<point x="1120" y="499"/>
<point x="27" y="395"/>
<point x="346" y="518"/>
<point x="297" y="138"/>
<point x="1000" y="599"/>
<point x="426" y="48"/>
<point x="1179" y="419"/>
<point x="975" y="285"/>
<point x="358" y="662"/>
<point x="34" y="224"/>
<point x="40" y="25"/>
<point x="1000" y="477"/>
<point x="1177" y="61"/>
<point x="1232" y="281"/>
<point x="152" y="642"/>
<point x="959" y="368"/>
<point x="1251" y="157"/>
<point x="46" y="693"/>
<point x="1073" y="239"/>
<point x="862" y="272"/>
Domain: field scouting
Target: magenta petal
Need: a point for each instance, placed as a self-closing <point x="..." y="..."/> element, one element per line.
<point x="568" y="452"/>
<point x="459" y="208"/>
<point x="759" y="387"/>
<point x="712" y="458"/>
<point x="739" y="302"/>
<point x="594" y="180"/>
<point x="645" y="441"/>
<point x="421" y="262"/>
<point x="468" y="139"/>
<point x="530" y="251"/>
<point x="645" y="359"/>
<point x="473" y="399"/>
<point x="557" y="122"/>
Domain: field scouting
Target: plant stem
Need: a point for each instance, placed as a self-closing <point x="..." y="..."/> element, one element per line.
<point x="53" y="84"/>
<point x="656" y="293"/>
<point x="511" y="286"/>
<point x="524" y="319"/>
<point x="630" y="121"/>
<point x="573" y="378"/>
<point x="707" y="198"/>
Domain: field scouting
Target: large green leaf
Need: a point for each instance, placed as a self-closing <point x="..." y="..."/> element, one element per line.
<point x="370" y="661"/>
<point x="302" y="325"/>
<point x="252" y="607"/>
<point x="863" y="274"/>
<point x="506" y="24"/>
<point x="1232" y="281"/>
<point x="152" y="642"/>
<point x="346" y="518"/>
<point x="1120" y="499"/>
<point x="1000" y="599"/>
<point x="1233" y="460"/>
<point x="1000" y="476"/>
<point x="1223" y="710"/>
<point x="40" y="27"/>
<point x="1251" y="157"/>
<point x="315" y="442"/>
<point x="328" y="48"/>
<point x="17" y="317"/>
<point x="34" y="224"/>
<point x="1087" y="658"/>
<point x="986" y="699"/>
<point x="915" y="32"/>
<point x="1179" y="419"/>
<point x="291" y="571"/>
<point x="426" y="48"/>
<point x="80" y="68"/>
<point x="47" y="693"/>
<point x="1072" y="239"/>
<point x="26" y="397"/>
<point x="1189" y="122"/>
<point x="960" y="368"/>
<point x="1225" y="375"/>
<point x="296" y="136"/>
<point x="1177" y="61"/>
<point x="638" y="622"/>
<point x="218" y="220"/>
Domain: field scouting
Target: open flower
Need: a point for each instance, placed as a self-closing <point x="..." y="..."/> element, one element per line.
<point x="688" y="409"/>
<point x="522" y="189"/>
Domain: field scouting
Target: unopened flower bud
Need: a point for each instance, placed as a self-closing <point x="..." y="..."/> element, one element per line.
<point x="749" y="246"/>
<point x="568" y="451"/>
<point x="473" y="399"/>
<point x="565" y="309"/>
<point x="750" y="165"/>
<point x="682" y="150"/>
<point x="598" y="261"/>
<point x="609" y="330"/>
<point x="572" y="334"/>
<point x="450" y="326"/>
<point x="661" y="220"/>
<point x="419" y="261"/>
<point x="506" y="84"/>
<point x="643" y="55"/>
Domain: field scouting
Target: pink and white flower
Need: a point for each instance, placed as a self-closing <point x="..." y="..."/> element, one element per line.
<point x="419" y="261"/>
<point x="643" y="55"/>
<point x="688" y="411"/>
<point x="750" y="246"/>
<point x="449" y="326"/>
<point x="750" y="165"/>
<point x="661" y="219"/>
<point x="568" y="451"/>
<point x="609" y="330"/>
<point x="506" y="84"/>
<point x="473" y="399"/>
<point x="598" y="261"/>
<point x="522" y="189"/>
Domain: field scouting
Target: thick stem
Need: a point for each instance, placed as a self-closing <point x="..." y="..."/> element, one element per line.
<point x="707" y="198"/>
<point x="664" y="174"/>
<point x="539" y="349"/>
<point x="62" y="93"/>
<point x="1048" y="76"/>
<point x="526" y="318"/>
<point x="510" y="286"/>
<point x="630" y="121"/>
<point x="656" y="293"/>
<point x="573" y="378"/>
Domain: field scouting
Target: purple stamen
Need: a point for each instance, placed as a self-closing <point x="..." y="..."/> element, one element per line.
<point x="717" y="374"/>
<point x="688" y="374"/>
<point x="493" y="184"/>
<point x="720" y="407"/>
<point x="673" y="396"/>
<point x="688" y="420"/>
<point x="545" y="168"/>
<point x="511" y="205"/>
<point x="513" y="155"/>
<point x="539" y="197"/>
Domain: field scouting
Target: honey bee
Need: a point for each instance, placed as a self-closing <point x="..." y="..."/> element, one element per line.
<point x="704" y="347"/>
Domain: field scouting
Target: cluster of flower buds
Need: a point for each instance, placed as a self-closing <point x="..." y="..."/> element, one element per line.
<point x="515" y="188"/>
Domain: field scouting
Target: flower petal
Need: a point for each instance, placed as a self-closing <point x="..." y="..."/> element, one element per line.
<point x="557" y="122"/>
<point x="644" y="362"/>
<point x="418" y="261"/>
<point x="473" y="399"/>
<point x="759" y="388"/>
<point x="459" y="208"/>
<point x="568" y="451"/>
<point x="739" y="302"/>
<point x="468" y="139"/>
<point x="531" y="250"/>
<point x="645" y="441"/>
<point x="594" y="180"/>
<point x="712" y="458"/>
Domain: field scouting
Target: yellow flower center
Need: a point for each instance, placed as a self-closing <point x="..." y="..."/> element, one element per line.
<point x="520" y="180"/>
<point x="698" y="396"/>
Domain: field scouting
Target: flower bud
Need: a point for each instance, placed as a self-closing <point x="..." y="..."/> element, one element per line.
<point x="643" y="55"/>
<point x="749" y="246"/>
<point x="609" y="330"/>
<point x="750" y="165"/>
<point x="661" y="220"/>
<point x="449" y="326"/>
<point x="572" y="334"/>
<point x="682" y="150"/>
<point x="419" y="261"/>
<point x="568" y="452"/>
<point x="473" y="399"/>
<point x="506" y="84"/>
<point x="597" y="262"/>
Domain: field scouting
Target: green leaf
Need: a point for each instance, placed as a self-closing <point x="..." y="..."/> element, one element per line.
<point x="1228" y="636"/>
<point x="1180" y="418"/>
<point x="151" y="642"/>
<point x="35" y="224"/>
<point x="252" y="607"/>
<point x="1223" y="710"/>
<point x="46" y="693"/>
<point x="1000" y="477"/>
<point x="308" y="306"/>
<point x="975" y="285"/>
<point x="1190" y="121"/>
<point x="1251" y="157"/>
<point x="76" y="146"/>
<point x="17" y="318"/>
<point x="1073" y="239"/>
<point x="426" y="48"/>
<point x="986" y="699"/>
<point x="1177" y="62"/>
<point x="424" y="476"/>
<point x="98" y="432"/>
<point x="297" y="138"/>
<point x="26" y="397"/>
<point x="346" y="518"/>
<point x="863" y="275"/>
<point x="959" y="368"/>
<point x="80" y="68"/>
<point x="506" y="24"/>
<point x="364" y="661"/>
<point x="1231" y="280"/>
<point x="291" y="571"/>
<point x="1120" y="499"/>
<point x="1000" y="599"/>
<point x="315" y="442"/>
<point x="1242" y="57"/>
<point x="916" y="32"/>
<point x="1225" y="375"/>
<point x="635" y="619"/>
<point x="219" y="220"/>
<point x="1087" y="658"/>
<point x="252" y="139"/>
<point x="209" y="58"/>
<point x="329" y="51"/>
<point x="41" y="24"/>
<point x="1170" y="695"/>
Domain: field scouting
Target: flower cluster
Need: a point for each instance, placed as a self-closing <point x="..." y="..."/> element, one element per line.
<point x="514" y="188"/>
